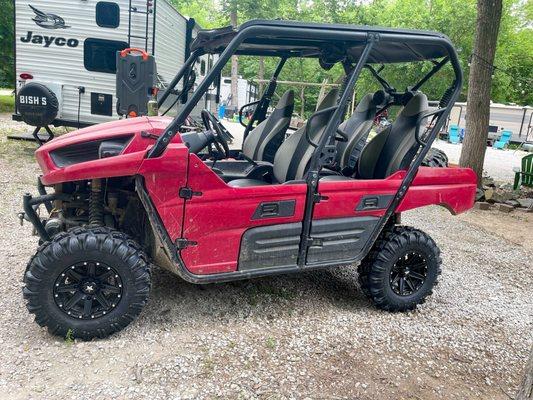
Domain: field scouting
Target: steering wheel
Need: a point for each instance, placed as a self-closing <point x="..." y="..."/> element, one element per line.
<point x="212" y="124"/>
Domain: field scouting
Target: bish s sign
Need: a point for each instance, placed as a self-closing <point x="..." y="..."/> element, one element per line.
<point x="52" y="22"/>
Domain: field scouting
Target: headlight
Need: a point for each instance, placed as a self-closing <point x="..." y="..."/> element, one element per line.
<point x="89" y="151"/>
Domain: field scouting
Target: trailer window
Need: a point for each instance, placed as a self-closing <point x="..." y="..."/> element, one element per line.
<point x="107" y="14"/>
<point x="101" y="55"/>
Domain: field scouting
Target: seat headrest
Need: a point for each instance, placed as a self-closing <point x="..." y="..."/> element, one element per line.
<point x="417" y="104"/>
<point x="366" y="103"/>
<point x="286" y="100"/>
<point x="381" y="98"/>
<point x="329" y="99"/>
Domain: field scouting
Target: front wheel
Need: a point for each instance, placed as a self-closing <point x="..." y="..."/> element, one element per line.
<point x="88" y="282"/>
<point x="401" y="270"/>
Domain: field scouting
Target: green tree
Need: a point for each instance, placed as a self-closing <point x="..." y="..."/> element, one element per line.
<point x="7" y="75"/>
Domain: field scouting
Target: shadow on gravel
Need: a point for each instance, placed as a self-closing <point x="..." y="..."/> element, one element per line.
<point x="173" y="299"/>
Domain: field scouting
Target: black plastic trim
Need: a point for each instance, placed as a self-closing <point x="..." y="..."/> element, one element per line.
<point x="382" y="201"/>
<point x="274" y="209"/>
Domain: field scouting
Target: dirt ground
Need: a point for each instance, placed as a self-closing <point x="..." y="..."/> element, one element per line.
<point x="312" y="336"/>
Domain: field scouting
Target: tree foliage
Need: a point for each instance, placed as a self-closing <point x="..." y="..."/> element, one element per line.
<point x="512" y="82"/>
<point x="455" y="18"/>
<point x="7" y="77"/>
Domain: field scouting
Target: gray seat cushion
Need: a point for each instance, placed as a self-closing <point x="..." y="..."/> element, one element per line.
<point x="246" y="183"/>
<point x="395" y="147"/>
<point x="357" y="128"/>
<point x="292" y="159"/>
<point x="264" y="140"/>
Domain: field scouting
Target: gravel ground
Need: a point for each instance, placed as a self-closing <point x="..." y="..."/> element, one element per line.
<point x="310" y="336"/>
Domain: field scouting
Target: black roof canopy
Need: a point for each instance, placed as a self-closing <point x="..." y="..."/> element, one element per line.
<point x="330" y="42"/>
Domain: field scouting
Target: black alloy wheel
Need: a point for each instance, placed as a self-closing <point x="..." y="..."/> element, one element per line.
<point x="401" y="270"/>
<point x="408" y="274"/>
<point x="88" y="290"/>
<point x="88" y="282"/>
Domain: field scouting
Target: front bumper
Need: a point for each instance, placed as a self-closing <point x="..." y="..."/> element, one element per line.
<point x="30" y="205"/>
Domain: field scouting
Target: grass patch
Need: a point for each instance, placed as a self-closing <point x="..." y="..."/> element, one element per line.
<point x="15" y="150"/>
<point x="7" y="103"/>
<point x="259" y="291"/>
<point x="69" y="337"/>
<point x="270" y="343"/>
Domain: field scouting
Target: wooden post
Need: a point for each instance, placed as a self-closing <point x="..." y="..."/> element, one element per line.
<point x="302" y="98"/>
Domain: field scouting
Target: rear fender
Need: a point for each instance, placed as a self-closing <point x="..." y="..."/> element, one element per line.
<point x="452" y="188"/>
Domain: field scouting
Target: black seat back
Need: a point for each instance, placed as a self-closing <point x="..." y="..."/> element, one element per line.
<point x="395" y="147"/>
<point x="356" y="128"/>
<point x="264" y="140"/>
<point x="293" y="156"/>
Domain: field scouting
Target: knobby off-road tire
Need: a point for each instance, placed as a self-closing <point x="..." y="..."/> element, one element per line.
<point x="88" y="282"/>
<point x="435" y="158"/>
<point x="400" y="254"/>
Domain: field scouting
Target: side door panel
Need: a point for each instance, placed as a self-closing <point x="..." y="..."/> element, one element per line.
<point x="346" y="216"/>
<point x="218" y="219"/>
<point x="163" y="177"/>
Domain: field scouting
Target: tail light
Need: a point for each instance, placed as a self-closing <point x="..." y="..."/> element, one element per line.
<point x="25" y="76"/>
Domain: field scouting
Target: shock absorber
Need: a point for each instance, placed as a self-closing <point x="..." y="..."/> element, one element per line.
<point x="96" y="204"/>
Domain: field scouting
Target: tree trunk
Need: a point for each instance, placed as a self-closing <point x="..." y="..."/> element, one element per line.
<point x="234" y="66"/>
<point x="526" y="388"/>
<point x="479" y="85"/>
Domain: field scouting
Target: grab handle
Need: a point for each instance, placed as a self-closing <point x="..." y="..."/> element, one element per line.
<point x="125" y="52"/>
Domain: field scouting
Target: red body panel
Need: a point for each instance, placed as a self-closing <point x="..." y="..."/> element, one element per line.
<point x="217" y="219"/>
<point x="126" y="164"/>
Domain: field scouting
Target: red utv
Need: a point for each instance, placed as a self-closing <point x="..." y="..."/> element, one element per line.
<point x="138" y="191"/>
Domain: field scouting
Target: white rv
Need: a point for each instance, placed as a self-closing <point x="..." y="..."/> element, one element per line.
<point x="70" y="47"/>
<point x="247" y="91"/>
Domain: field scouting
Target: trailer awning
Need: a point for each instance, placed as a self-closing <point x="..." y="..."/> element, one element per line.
<point x="329" y="42"/>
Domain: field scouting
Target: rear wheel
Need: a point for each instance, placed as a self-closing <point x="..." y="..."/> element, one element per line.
<point x="90" y="282"/>
<point x="435" y="158"/>
<point x="401" y="270"/>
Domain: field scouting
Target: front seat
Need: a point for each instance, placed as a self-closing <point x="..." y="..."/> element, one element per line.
<point x="293" y="156"/>
<point x="264" y="140"/>
<point x="356" y="128"/>
<point x="395" y="147"/>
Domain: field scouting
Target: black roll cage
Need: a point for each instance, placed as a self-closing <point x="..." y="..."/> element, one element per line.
<point x="324" y="149"/>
